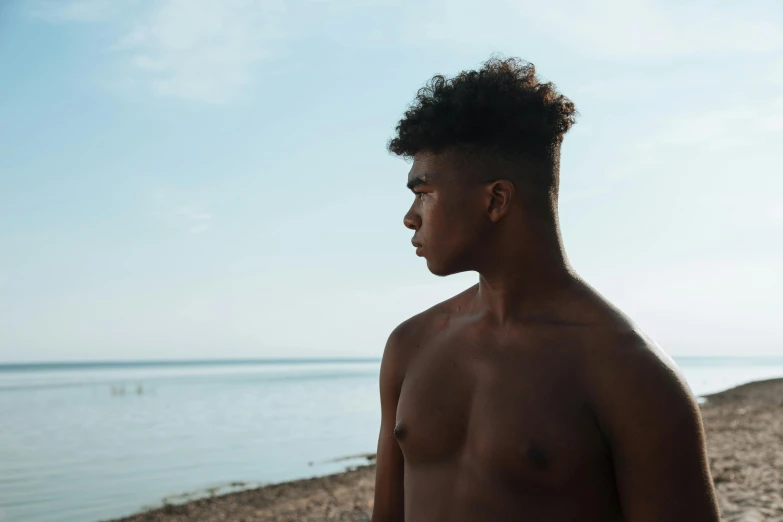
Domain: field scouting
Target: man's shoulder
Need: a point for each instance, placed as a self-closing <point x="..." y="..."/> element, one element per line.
<point x="617" y="345"/>
<point x="630" y="379"/>
<point x="621" y="363"/>
<point x="623" y="354"/>
<point x="612" y="343"/>
<point x="431" y="319"/>
<point x="408" y="335"/>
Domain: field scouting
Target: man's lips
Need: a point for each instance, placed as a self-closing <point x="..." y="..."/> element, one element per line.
<point x="417" y="245"/>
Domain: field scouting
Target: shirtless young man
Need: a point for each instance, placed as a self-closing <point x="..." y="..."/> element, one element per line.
<point x="527" y="397"/>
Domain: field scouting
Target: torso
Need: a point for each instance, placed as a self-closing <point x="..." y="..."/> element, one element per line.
<point x="495" y="424"/>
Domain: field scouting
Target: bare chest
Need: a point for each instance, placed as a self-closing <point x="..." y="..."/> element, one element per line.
<point x="512" y="413"/>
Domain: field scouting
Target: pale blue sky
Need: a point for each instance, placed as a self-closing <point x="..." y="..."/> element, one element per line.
<point x="199" y="179"/>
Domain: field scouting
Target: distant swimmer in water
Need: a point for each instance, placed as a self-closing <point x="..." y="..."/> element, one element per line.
<point x="528" y="397"/>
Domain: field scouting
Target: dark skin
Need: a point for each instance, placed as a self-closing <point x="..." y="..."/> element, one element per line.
<point x="527" y="397"/>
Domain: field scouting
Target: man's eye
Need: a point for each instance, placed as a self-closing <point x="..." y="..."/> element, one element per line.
<point x="418" y="194"/>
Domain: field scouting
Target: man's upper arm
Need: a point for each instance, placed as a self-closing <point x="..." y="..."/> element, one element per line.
<point x="653" y="427"/>
<point x="389" y="501"/>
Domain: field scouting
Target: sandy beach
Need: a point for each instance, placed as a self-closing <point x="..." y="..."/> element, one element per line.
<point x="744" y="438"/>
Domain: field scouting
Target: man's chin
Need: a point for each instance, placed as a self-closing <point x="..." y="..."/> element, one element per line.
<point x="439" y="269"/>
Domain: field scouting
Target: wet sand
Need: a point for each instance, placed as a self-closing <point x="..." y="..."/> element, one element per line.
<point x="744" y="439"/>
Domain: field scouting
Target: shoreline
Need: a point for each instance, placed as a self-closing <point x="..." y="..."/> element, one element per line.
<point x="744" y="427"/>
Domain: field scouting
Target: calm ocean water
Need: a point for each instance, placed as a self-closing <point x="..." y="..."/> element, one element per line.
<point x="93" y="441"/>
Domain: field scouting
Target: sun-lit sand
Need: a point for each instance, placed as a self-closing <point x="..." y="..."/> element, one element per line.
<point x="744" y="438"/>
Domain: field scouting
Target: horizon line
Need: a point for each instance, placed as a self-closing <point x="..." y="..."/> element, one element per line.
<point x="268" y="360"/>
<point x="183" y="362"/>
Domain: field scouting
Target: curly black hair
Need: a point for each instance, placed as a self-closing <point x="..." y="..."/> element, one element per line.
<point x="503" y="107"/>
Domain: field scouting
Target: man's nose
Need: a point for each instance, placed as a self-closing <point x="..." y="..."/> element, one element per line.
<point x="412" y="220"/>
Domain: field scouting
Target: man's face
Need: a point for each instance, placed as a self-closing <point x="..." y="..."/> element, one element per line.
<point x="449" y="212"/>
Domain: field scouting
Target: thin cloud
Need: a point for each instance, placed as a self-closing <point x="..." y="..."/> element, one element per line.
<point x="198" y="50"/>
<point x="213" y="52"/>
<point x="774" y="120"/>
<point x="774" y="215"/>
<point x="606" y="29"/>
<point x="203" y="51"/>
<point x="713" y="129"/>
<point x="642" y="28"/>
<point x="71" y="11"/>
<point x="198" y="220"/>
<point x="718" y="128"/>
<point x="199" y="229"/>
<point x="194" y="214"/>
<point x="733" y="126"/>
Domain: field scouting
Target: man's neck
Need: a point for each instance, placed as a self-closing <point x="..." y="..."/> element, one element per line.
<point x="524" y="277"/>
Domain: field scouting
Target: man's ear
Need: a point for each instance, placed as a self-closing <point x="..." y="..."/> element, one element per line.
<point x="501" y="192"/>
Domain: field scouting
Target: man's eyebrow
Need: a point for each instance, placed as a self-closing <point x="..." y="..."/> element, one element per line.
<point x="416" y="182"/>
